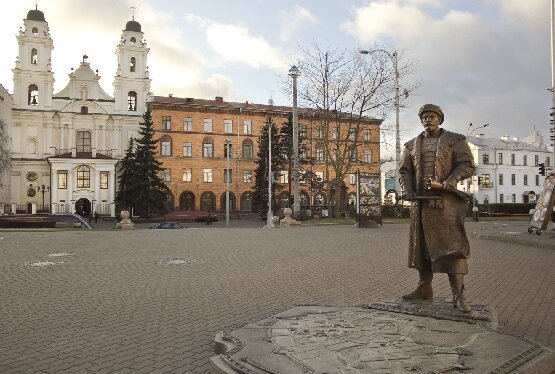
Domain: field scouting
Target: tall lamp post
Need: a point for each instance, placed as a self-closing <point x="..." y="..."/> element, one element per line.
<point x="43" y="189"/>
<point x="294" y="73"/>
<point x="469" y="132"/>
<point x="270" y="215"/>
<point x="228" y="175"/>
<point x="394" y="57"/>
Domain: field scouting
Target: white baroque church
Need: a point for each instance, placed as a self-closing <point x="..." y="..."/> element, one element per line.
<point x="65" y="146"/>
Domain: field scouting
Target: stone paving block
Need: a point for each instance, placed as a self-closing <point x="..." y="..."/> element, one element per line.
<point x="113" y="298"/>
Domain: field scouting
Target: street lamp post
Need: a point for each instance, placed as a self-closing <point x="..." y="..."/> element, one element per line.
<point x="43" y="189"/>
<point x="469" y="132"/>
<point x="270" y="215"/>
<point x="227" y="141"/>
<point x="294" y="73"/>
<point x="394" y="57"/>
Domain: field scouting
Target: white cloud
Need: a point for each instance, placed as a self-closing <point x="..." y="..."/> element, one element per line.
<point x="473" y="64"/>
<point x="235" y="44"/>
<point x="294" y="19"/>
<point x="175" y="67"/>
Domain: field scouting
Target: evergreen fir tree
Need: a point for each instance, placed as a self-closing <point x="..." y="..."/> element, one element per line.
<point x="149" y="192"/>
<point x="126" y="179"/>
<point x="260" y="190"/>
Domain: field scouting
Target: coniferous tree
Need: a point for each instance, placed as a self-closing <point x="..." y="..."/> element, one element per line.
<point x="126" y="178"/>
<point x="260" y="190"/>
<point x="148" y="190"/>
<point x="5" y="160"/>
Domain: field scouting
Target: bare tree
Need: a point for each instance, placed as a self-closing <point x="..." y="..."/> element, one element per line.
<point x="347" y="90"/>
<point x="5" y="161"/>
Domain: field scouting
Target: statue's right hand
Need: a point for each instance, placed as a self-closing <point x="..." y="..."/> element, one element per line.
<point x="409" y="196"/>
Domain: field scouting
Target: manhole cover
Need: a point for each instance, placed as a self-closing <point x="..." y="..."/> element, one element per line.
<point x="43" y="263"/>
<point x="178" y="261"/>
<point x="61" y="254"/>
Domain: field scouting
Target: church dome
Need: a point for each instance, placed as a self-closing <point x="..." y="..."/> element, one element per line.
<point x="36" y="15"/>
<point x="133" y="26"/>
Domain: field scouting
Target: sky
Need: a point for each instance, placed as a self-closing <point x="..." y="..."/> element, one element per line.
<point x="482" y="61"/>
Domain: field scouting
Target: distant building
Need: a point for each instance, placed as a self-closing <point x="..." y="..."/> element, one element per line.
<point x="507" y="168"/>
<point x="65" y="146"/>
<point x="192" y="149"/>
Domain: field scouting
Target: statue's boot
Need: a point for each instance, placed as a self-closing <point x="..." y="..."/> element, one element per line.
<point x="457" y="286"/>
<point x="424" y="289"/>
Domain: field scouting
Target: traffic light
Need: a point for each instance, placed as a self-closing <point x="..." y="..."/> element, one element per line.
<point x="542" y="169"/>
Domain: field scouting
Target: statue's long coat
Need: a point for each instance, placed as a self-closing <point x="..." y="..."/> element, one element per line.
<point x="439" y="229"/>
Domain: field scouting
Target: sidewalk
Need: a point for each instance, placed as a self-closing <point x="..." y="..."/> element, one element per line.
<point x="514" y="232"/>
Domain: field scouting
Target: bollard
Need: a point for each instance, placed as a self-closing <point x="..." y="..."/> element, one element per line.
<point x="475" y="213"/>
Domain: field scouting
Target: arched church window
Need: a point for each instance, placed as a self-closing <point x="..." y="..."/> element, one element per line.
<point x="35" y="31"/>
<point x="33" y="95"/>
<point x="132" y="64"/>
<point x="34" y="56"/>
<point x="83" y="177"/>
<point x="133" y="40"/>
<point x="132" y="101"/>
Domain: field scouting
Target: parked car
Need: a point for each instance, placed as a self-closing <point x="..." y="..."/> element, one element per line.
<point x="168" y="225"/>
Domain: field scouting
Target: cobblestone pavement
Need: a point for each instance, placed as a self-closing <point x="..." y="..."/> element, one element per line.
<point x="108" y="305"/>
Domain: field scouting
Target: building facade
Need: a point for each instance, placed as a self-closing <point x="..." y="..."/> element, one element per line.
<point x="65" y="145"/>
<point x="192" y="147"/>
<point x="508" y="169"/>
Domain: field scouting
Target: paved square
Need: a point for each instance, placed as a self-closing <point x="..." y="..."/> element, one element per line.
<point x="148" y="301"/>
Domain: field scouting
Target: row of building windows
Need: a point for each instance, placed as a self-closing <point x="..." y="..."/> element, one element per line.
<point x="187" y="175"/>
<point x="247" y="128"/>
<point x="247" y="150"/>
<point x="485" y="159"/>
<point x="207" y="125"/>
<point x="486" y="180"/>
<point x="207" y="148"/>
<point x="83" y="178"/>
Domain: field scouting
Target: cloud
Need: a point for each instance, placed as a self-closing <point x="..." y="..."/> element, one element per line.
<point x="175" y="66"/>
<point x="480" y="65"/>
<point x="294" y="19"/>
<point x="234" y="43"/>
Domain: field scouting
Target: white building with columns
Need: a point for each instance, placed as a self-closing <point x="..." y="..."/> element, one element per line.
<point x="66" y="145"/>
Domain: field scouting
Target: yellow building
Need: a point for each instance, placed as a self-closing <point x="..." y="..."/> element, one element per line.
<point x="192" y="136"/>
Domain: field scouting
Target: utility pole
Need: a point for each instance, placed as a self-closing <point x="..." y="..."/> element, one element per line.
<point x="294" y="73"/>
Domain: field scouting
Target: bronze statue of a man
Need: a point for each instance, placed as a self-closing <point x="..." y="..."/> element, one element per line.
<point x="438" y="242"/>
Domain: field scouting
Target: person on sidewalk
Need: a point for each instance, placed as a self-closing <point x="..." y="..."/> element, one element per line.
<point x="437" y="242"/>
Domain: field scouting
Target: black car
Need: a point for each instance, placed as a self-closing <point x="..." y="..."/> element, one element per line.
<point x="168" y="225"/>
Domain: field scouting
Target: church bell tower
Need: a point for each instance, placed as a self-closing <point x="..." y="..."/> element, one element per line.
<point x="33" y="77"/>
<point x="132" y="82"/>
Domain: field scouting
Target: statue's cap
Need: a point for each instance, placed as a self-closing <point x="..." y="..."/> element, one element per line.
<point x="431" y="108"/>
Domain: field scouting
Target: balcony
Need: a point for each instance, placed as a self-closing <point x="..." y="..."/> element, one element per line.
<point x="83" y="153"/>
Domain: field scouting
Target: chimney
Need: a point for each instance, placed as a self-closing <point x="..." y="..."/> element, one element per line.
<point x="219" y="98"/>
<point x="170" y="95"/>
<point x="188" y="99"/>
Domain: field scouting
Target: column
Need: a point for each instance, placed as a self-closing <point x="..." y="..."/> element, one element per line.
<point x="112" y="192"/>
<point x="54" y="190"/>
